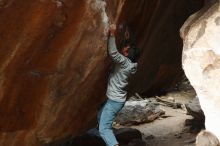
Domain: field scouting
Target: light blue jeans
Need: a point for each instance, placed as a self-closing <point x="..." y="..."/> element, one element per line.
<point x="106" y="117"/>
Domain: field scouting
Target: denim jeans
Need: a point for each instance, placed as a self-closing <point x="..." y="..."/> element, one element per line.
<point x="106" y="117"/>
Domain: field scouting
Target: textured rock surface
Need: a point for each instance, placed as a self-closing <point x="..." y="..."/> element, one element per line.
<point x="201" y="61"/>
<point x="135" y="113"/>
<point x="54" y="67"/>
<point x="49" y="66"/>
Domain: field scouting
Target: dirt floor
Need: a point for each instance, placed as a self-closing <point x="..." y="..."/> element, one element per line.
<point x="170" y="130"/>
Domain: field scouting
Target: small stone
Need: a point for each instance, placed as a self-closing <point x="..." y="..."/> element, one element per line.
<point x="160" y="118"/>
<point x="149" y="137"/>
<point x="178" y="135"/>
<point x="171" y="99"/>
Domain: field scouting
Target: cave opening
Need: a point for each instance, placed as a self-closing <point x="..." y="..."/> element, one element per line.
<point x="155" y="28"/>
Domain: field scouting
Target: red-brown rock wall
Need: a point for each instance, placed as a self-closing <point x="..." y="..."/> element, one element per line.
<point x="53" y="69"/>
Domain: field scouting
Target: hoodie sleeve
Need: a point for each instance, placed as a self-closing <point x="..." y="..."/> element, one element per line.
<point x="113" y="52"/>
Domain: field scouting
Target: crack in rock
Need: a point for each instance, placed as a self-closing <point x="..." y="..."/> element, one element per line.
<point x="100" y="5"/>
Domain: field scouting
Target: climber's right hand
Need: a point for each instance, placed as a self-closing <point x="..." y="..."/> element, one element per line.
<point x="112" y="29"/>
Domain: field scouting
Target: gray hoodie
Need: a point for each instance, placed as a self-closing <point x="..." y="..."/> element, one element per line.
<point x="118" y="78"/>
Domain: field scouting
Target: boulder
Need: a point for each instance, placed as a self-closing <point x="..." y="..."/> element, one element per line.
<point x="134" y="113"/>
<point x="53" y="68"/>
<point x="201" y="60"/>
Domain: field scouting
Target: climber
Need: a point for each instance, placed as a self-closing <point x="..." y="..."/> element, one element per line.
<point x="125" y="66"/>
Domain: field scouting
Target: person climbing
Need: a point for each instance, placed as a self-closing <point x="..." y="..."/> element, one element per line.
<point x="125" y="66"/>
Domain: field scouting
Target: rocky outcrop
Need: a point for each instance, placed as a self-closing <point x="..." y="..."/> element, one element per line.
<point x="54" y="66"/>
<point x="201" y="60"/>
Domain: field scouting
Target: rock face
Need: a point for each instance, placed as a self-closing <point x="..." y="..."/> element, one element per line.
<point x="201" y="61"/>
<point x="54" y="66"/>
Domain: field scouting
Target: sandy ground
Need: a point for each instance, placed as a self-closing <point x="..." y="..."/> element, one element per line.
<point x="170" y="130"/>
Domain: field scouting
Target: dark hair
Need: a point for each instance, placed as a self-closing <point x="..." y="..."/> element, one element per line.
<point x="133" y="53"/>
